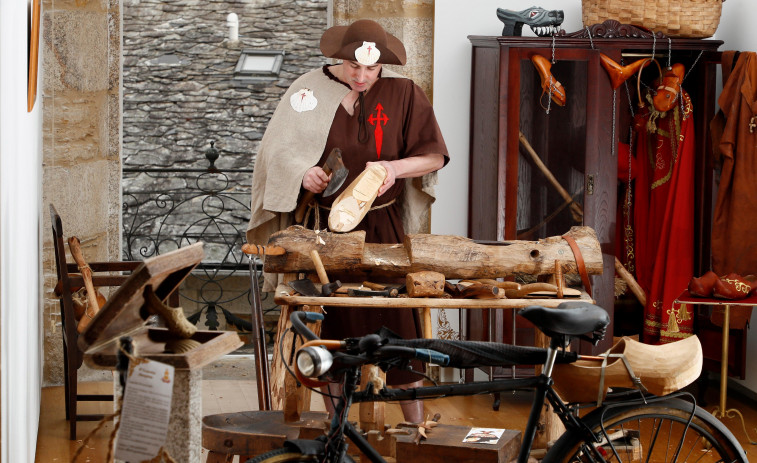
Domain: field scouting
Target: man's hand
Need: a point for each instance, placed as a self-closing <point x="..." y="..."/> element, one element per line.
<point x="391" y="175"/>
<point x="408" y="167"/>
<point x="315" y="180"/>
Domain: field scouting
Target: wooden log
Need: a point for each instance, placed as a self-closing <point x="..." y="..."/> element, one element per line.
<point x="453" y="256"/>
<point x="425" y="284"/>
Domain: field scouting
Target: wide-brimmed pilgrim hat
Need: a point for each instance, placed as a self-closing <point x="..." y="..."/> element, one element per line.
<point x="364" y="41"/>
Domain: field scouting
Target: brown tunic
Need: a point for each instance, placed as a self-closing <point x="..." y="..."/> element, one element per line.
<point x="408" y="128"/>
<point x="734" y="242"/>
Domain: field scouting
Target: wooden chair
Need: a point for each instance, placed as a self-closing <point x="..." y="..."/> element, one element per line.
<point x="73" y="357"/>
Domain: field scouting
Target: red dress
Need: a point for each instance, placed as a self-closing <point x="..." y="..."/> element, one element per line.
<point x="663" y="223"/>
<point x="399" y="122"/>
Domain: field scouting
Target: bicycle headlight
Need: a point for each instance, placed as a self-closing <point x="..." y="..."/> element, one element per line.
<point x="313" y="361"/>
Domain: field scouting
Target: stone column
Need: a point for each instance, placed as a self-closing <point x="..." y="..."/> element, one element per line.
<point x="80" y="92"/>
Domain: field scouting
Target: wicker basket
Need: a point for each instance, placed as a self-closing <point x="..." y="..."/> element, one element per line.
<point x="675" y="18"/>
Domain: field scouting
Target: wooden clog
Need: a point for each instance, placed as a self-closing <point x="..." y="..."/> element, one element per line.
<point x="619" y="74"/>
<point x="354" y="202"/>
<point x="662" y="369"/>
<point x="548" y="82"/>
<point x="669" y="88"/>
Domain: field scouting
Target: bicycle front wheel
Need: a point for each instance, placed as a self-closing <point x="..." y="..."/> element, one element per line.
<point x="285" y="455"/>
<point x="281" y="456"/>
<point x="654" y="432"/>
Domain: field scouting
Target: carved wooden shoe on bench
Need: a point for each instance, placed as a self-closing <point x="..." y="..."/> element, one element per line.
<point x="354" y="202"/>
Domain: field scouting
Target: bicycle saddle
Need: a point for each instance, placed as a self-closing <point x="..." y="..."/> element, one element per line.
<point x="574" y="318"/>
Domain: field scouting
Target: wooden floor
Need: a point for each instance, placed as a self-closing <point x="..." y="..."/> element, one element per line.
<point x="231" y="395"/>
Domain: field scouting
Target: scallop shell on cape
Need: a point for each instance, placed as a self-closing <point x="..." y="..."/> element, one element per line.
<point x="303" y="100"/>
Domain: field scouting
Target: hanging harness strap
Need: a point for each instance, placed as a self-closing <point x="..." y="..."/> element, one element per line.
<point x="579" y="262"/>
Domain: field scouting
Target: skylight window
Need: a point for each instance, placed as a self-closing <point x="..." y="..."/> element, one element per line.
<point x="254" y="64"/>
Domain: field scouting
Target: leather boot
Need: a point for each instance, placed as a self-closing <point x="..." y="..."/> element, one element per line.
<point x="702" y="286"/>
<point x="619" y="74"/>
<point x="731" y="286"/>
<point x="543" y="66"/>
<point x="669" y="88"/>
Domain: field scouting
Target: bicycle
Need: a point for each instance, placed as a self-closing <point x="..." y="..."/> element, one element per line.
<point x="628" y="426"/>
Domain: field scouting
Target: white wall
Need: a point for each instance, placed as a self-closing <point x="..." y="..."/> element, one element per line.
<point x="20" y="193"/>
<point x="452" y="67"/>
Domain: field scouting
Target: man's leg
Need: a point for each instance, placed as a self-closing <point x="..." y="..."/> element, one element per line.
<point x="412" y="410"/>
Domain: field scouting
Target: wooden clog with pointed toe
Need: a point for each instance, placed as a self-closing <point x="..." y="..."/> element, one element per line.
<point x="619" y="74"/>
<point x="543" y="67"/>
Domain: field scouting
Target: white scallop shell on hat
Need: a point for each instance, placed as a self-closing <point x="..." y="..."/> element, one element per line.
<point x="367" y="54"/>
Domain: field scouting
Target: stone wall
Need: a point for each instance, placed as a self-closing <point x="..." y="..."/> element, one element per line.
<point x="179" y="85"/>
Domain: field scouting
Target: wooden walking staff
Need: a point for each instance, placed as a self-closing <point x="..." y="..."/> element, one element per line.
<point x="578" y="214"/>
<point x="93" y="305"/>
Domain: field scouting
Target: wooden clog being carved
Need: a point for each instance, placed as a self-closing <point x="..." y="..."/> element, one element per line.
<point x="354" y="202"/>
<point x="662" y="369"/>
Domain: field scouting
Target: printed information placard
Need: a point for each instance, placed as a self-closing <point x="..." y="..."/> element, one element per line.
<point x="145" y="412"/>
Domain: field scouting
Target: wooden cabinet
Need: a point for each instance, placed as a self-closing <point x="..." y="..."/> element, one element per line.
<point x="510" y="198"/>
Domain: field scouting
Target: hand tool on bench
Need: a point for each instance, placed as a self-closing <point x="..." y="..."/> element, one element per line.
<point x="319" y="268"/>
<point x="389" y="292"/>
<point x="475" y="290"/>
<point x="400" y="287"/>
<point x="306" y="287"/>
<point x="333" y="166"/>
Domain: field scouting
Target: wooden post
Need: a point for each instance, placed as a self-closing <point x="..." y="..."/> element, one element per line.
<point x="552" y="427"/>
<point x="372" y="414"/>
<point x="285" y="395"/>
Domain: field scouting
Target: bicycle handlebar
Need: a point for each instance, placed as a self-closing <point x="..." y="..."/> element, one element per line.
<point x="424" y="355"/>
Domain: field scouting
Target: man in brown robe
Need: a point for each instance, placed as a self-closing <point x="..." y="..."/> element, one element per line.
<point x="373" y="116"/>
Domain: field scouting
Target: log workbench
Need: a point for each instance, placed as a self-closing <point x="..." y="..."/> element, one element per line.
<point x="453" y="257"/>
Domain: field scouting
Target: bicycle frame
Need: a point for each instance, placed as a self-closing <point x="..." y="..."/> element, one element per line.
<point x="541" y="385"/>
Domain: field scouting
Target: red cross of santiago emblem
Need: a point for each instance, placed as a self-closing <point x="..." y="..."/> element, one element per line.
<point x="378" y="119"/>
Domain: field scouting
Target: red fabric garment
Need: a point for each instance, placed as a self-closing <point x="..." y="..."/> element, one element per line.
<point x="664" y="218"/>
<point x="734" y="242"/>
